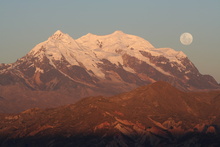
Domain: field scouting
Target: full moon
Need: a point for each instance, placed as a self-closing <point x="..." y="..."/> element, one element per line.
<point x="186" y="38"/>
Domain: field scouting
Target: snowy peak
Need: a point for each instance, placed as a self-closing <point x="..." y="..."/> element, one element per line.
<point x="118" y="40"/>
<point x="58" y="32"/>
<point x="118" y="33"/>
<point x="58" y="40"/>
<point x="59" y="35"/>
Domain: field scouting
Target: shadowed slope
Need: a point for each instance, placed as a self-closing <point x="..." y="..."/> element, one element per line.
<point x="153" y="115"/>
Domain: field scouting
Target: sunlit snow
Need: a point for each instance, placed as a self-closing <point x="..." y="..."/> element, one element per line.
<point x="90" y="49"/>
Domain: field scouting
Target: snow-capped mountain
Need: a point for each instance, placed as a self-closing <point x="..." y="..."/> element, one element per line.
<point x="112" y="57"/>
<point x="104" y="65"/>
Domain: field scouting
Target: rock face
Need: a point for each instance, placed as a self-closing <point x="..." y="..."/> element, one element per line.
<point x="153" y="115"/>
<point x="94" y="65"/>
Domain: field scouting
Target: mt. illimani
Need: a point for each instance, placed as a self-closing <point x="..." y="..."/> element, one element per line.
<point x="62" y="70"/>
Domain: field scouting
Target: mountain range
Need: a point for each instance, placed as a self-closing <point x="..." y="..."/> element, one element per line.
<point x="153" y="115"/>
<point x="62" y="70"/>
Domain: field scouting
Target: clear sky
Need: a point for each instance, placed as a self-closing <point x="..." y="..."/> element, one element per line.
<point x="25" y="23"/>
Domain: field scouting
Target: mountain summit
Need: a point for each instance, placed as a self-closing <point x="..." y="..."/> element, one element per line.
<point x="98" y="65"/>
<point x="58" y="32"/>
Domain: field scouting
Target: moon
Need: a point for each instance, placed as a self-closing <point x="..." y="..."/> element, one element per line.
<point x="186" y="38"/>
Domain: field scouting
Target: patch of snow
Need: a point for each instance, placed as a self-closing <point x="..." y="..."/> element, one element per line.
<point x="128" y="69"/>
<point x="78" y="81"/>
<point x="172" y="55"/>
<point x="138" y="55"/>
<point x="10" y="66"/>
<point x="31" y="65"/>
<point x="187" y="78"/>
<point x="186" y="72"/>
<point x="179" y="68"/>
<point x="37" y="48"/>
<point x="3" y="71"/>
<point x="39" y="70"/>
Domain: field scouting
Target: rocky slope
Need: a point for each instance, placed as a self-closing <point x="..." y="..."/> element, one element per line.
<point x="153" y="115"/>
<point x="92" y="65"/>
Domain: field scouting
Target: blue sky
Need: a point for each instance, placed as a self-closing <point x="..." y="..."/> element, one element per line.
<point x="23" y="24"/>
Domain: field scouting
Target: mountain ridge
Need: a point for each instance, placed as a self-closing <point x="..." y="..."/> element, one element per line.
<point x="143" y="116"/>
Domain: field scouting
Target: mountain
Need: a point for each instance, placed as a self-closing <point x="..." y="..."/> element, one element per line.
<point x="61" y="70"/>
<point x="153" y="115"/>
